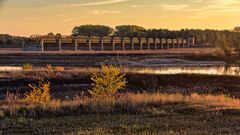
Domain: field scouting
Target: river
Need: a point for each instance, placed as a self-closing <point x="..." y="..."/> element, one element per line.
<point x="209" y="70"/>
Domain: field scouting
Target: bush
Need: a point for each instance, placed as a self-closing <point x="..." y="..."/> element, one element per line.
<point x="27" y="66"/>
<point x="107" y="82"/>
<point x="50" y="68"/>
<point x="40" y="93"/>
<point x="224" y="46"/>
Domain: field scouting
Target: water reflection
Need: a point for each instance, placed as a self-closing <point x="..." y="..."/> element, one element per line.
<point x="213" y="70"/>
<point x="10" y="68"/>
<point x="220" y="70"/>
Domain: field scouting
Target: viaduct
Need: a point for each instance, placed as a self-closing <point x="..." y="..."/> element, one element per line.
<point x="94" y="43"/>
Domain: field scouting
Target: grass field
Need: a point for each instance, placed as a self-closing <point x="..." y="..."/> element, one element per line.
<point x="128" y="113"/>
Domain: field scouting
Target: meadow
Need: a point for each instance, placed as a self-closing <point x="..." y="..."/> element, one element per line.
<point x="128" y="113"/>
<point x="162" y="104"/>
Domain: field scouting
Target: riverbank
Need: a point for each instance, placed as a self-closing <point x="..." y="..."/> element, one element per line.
<point x="69" y="83"/>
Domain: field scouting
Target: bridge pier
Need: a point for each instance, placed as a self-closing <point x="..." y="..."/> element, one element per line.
<point x="60" y="45"/>
<point x="141" y="44"/>
<point x="101" y="42"/>
<point x="123" y="45"/>
<point x="148" y="44"/>
<point x="155" y="45"/>
<point x="89" y="45"/>
<point x="132" y="43"/>
<point x="76" y="45"/>
<point x="113" y="44"/>
<point x="173" y="42"/>
<point x="42" y="45"/>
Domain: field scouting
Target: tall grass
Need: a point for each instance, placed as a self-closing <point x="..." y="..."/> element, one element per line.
<point x="27" y="67"/>
<point x="122" y="103"/>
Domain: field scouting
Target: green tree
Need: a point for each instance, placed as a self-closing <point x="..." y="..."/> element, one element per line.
<point x="1" y="42"/>
<point x="235" y="41"/>
<point x="130" y="31"/>
<point x="224" y="44"/>
<point x="50" y="35"/>
<point x="92" y="30"/>
<point x="58" y="35"/>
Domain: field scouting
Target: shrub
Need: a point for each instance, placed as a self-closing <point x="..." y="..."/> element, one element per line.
<point x="225" y="43"/>
<point x="40" y="93"/>
<point x="50" y="68"/>
<point x="107" y="82"/>
<point x="27" y="66"/>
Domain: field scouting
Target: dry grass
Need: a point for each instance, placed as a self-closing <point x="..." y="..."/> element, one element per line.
<point x="43" y="74"/>
<point x="126" y="102"/>
<point x="27" y="67"/>
<point x="127" y="113"/>
<point x="59" y="69"/>
<point x="39" y="93"/>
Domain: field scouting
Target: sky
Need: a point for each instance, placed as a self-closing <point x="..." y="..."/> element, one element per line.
<point x="27" y="17"/>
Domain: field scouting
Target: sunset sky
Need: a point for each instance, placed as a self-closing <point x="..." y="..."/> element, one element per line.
<point x="26" y="17"/>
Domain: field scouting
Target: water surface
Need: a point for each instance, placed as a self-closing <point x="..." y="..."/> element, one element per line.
<point x="212" y="70"/>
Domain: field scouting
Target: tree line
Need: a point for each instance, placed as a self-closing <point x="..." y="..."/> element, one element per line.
<point x="203" y="37"/>
<point x="6" y="39"/>
<point x="227" y="40"/>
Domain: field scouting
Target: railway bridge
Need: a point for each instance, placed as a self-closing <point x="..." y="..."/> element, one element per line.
<point x="95" y="43"/>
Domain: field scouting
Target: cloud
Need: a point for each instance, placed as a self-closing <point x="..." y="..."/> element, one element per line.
<point x="104" y="12"/>
<point x="223" y="5"/>
<point x="174" y="7"/>
<point x="134" y="6"/>
<point x="140" y="6"/>
<point x="204" y="9"/>
<point x="197" y="1"/>
<point x="106" y="2"/>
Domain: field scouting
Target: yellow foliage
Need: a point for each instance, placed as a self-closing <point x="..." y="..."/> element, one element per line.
<point x="27" y="66"/>
<point x="107" y="82"/>
<point x="49" y="68"/>
<point x="40" y="93"/>
<point x="59" y="69"/>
